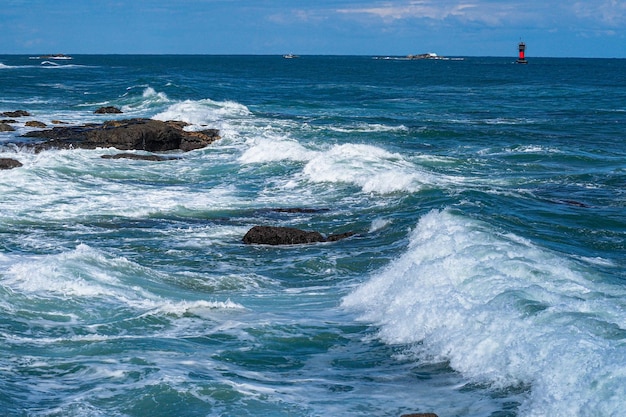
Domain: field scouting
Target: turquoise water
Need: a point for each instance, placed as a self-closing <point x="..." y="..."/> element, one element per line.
<point x="487" y="276"/>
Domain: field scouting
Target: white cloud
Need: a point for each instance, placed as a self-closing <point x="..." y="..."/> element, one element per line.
<point x="492" y="14"/>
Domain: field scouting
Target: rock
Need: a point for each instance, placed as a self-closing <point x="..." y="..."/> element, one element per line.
<point x="6" y="128"/>
<point x="272" y="235"/>
<point x="108" y="110"/>
<point x="35" y="123"/>
<point x="58" y="122"/>
<point x="131" y="134"/>
<point x="292" y="210"/>
<point x="8" y="121"/>
<point x="419" y="415"/>
<point x="134" y="156"/>
<point x="9" y="163"/>
<point x="334" y="238"/>
<point x="16" y="113"/>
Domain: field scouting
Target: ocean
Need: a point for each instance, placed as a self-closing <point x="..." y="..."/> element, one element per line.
<point x="486" y="275"/>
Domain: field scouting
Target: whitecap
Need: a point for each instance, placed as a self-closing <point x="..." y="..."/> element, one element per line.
<point x="503" y="312"/>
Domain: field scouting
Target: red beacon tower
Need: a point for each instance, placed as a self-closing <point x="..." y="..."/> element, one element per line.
<point x="522" y="50"/>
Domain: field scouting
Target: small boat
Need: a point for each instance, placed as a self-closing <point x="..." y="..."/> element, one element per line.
<point x="290" y="56"/>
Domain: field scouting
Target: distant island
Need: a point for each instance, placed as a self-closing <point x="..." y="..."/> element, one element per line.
<point x="429" y="55"/>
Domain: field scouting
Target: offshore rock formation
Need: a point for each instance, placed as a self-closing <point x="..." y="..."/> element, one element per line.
<point x="131" y="134"/>
<point x="273" y="235"/>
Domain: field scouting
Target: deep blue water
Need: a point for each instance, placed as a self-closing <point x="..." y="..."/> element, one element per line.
<point x="487" y="276"/>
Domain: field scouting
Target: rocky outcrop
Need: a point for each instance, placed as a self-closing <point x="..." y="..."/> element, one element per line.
<point x="273" y="235"/>
<point x="16" y="113"/>
<point x="131" y="134"/>
<point x="4" y="127"/>
<point x="108" y="110"/>
<point x="35" y="123"/>
<point x="9" y="163"/>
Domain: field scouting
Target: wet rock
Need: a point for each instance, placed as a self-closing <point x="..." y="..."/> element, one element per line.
<point x="35" y="123"/>
<point x="130" y="134"/>
<point x="9" y="163"/>
<point x="273" y="235"/>
<point x="108" y="110"/>
<point x="16" y="113"/>
<point x="334" y="238"/>
<point x="419" y="415"/>
<point x="134" y="156"/>
<point x="298" y="210"/>
<point x="4" y="127"/>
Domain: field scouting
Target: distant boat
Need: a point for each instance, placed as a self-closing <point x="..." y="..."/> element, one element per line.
<point x="290" y="56"/>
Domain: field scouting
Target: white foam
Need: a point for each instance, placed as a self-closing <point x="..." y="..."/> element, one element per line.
<point x="263" y="150"/>
<point x="203" y="112"/>
<point x="503" y="312"/>
<point x="369" y="167"/>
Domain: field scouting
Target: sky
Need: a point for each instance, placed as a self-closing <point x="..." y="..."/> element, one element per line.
<point x="550" y="28"/>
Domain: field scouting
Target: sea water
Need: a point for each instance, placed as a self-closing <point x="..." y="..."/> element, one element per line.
<point x="486" y="276"/>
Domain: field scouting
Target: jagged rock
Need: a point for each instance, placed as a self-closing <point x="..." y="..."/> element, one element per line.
<point x="9" y="163"/>
<point x="35" y="123"/>
<point x="130" y="134"/>
<point x="134" y="156"/>
<point x="108" y="110"/>
<point x="273" y="235"/>
<point x="16" y="113"/>
<point x="6" y="127"/>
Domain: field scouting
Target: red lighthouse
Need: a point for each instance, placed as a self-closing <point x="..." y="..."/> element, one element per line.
<point x="522" y="50"/>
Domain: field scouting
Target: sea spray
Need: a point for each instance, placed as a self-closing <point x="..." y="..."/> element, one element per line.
<point x="503" y="312"/>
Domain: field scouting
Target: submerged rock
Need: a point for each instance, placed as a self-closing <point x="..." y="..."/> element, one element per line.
<point x="131" y="134"/>
<point x="273" y="235"/>
<point x="9" y="163"/>
<point x="16" y="113"/>
<point x="108" y="110"/>
<point x="35" y="123"/>
<point x="137" y="157"/>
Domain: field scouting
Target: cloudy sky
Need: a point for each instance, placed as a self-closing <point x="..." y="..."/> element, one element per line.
<point x="558" y="28"/>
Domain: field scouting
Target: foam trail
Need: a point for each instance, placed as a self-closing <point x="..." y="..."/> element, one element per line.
<point x="503" y="312"/>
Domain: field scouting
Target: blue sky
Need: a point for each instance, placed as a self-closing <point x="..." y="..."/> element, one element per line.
<point x="559" y="28"/>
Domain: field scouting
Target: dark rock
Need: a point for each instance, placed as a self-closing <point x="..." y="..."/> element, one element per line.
<point x="58" y="122"/>
<point x="419" y="415"/>
<point x="136" y="134"/>
<point x="16" y="113"/>
<point x="9" y="163"/>
<point x="334" y="238"/>
<point x="270" y="235"/>
<point x="35" y="123"/>
<point x="135" y="157"/>
<point x="8" y="121"/>
<point x="298" y="210"/>
<point x="6" y="128"/>
<point x="108" y="110"/>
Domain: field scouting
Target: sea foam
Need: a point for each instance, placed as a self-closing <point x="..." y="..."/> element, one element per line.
<point x="503" y="312"/>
